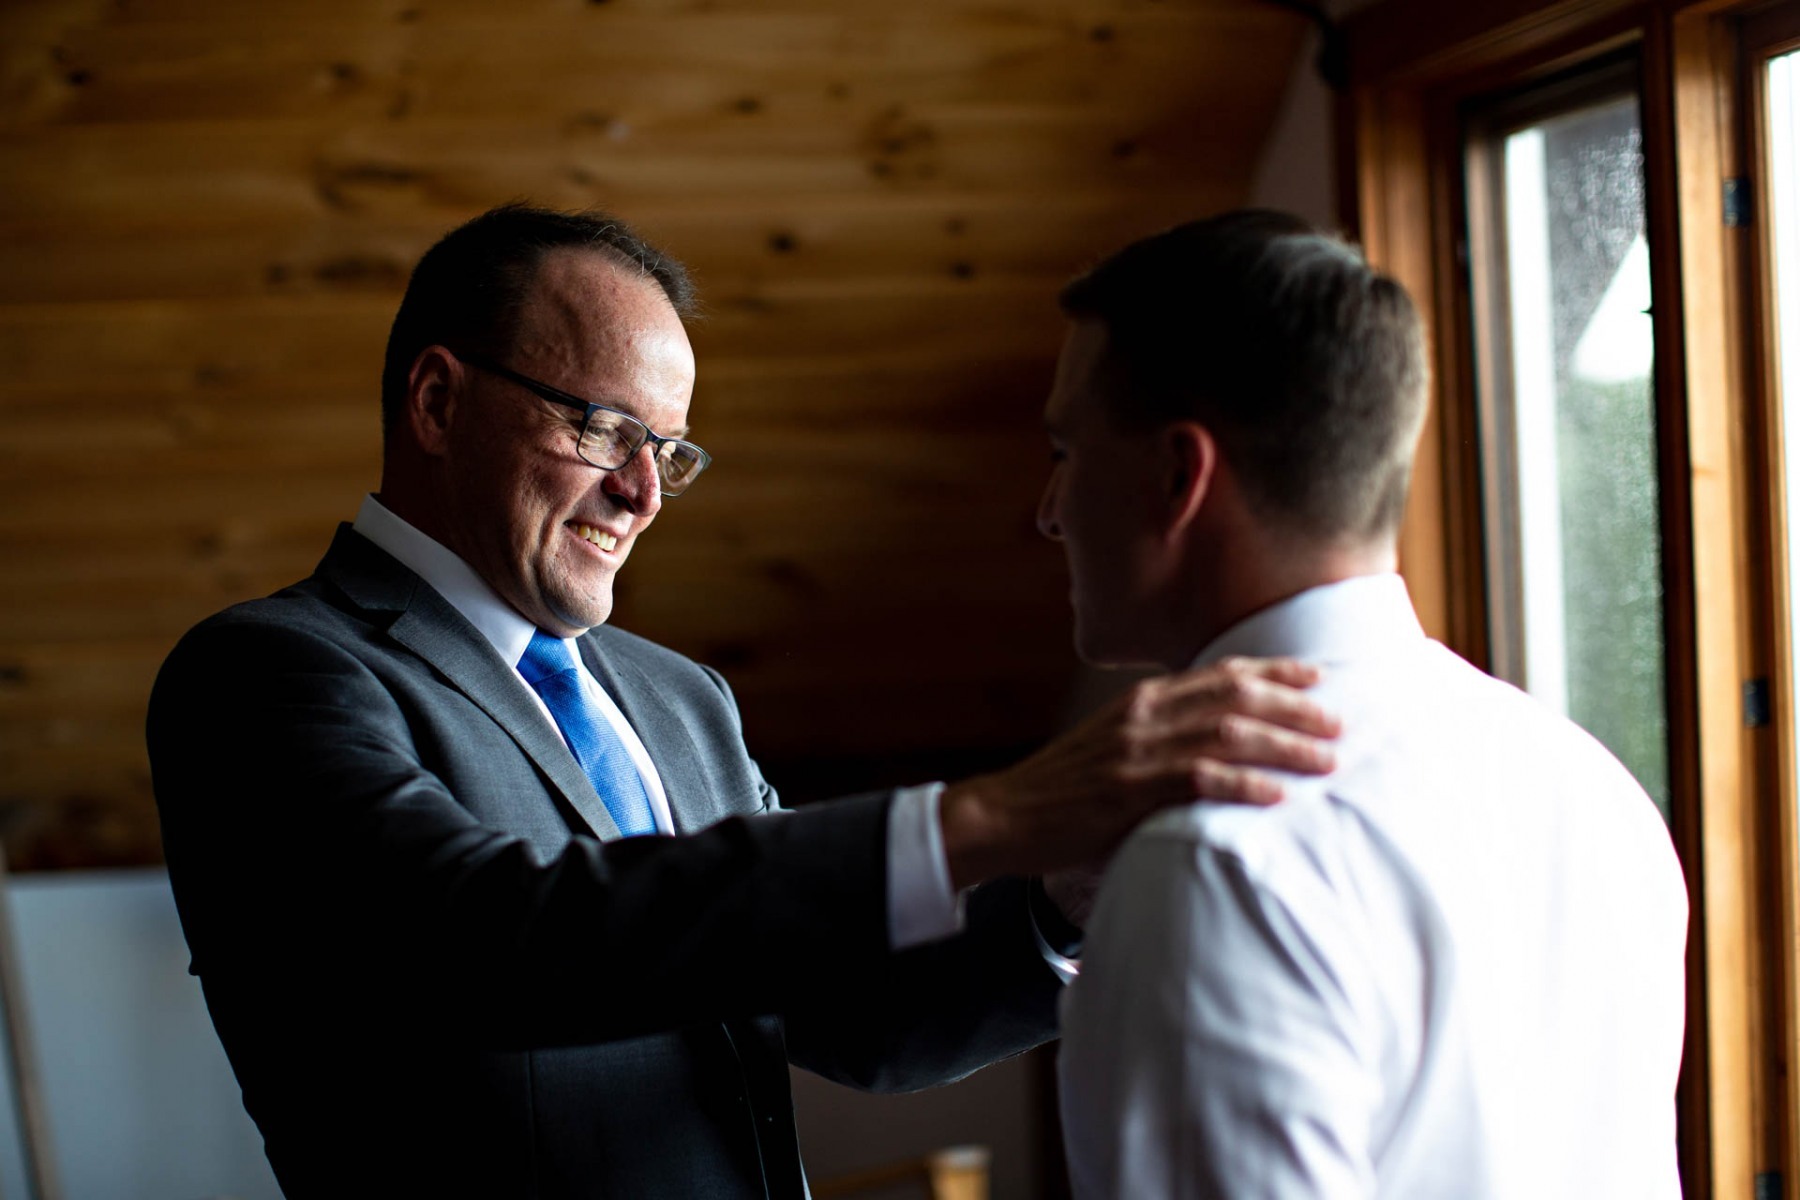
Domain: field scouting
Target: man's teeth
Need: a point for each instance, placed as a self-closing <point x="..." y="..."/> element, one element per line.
<point x="605" y="541"/>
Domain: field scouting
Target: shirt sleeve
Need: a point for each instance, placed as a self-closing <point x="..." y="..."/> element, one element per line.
<point x="922" y="904"/>
<point x="1213" y="1045"/>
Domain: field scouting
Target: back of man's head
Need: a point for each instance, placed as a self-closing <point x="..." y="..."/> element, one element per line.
<point x="1305" y="364"/>
<point x="467" y="291"/>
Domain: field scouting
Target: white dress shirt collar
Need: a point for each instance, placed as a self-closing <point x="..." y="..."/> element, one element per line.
<point x="454" y="579"/>
<point x="507" y="631"/>
<point x="1337" y="622"/>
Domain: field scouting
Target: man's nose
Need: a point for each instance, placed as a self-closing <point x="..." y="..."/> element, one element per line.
<point x="636" y="485"/>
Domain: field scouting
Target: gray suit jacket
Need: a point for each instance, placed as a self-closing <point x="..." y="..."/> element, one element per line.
<point x="436" y="971"/>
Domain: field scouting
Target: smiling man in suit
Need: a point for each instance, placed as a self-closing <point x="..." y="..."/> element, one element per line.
<point x="402" y="799"/>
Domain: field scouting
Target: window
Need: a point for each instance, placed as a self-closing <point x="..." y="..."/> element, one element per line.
<point x="1595" y="203"/>
<point x="1567" y="413"/>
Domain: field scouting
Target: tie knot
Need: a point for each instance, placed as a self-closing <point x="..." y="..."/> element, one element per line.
<point x="545" y="658"/>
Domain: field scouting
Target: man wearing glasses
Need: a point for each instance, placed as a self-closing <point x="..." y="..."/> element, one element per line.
<point x="411" y="804"/>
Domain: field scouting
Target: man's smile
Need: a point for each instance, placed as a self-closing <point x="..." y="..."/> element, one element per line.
<point x="596" y="536"/>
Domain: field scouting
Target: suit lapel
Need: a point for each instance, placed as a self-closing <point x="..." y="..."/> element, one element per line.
<point x="664" y="734"/>
<point x="430" y="627"/>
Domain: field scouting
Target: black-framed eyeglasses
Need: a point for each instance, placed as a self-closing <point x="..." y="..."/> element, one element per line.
<point x="610" y="438"/>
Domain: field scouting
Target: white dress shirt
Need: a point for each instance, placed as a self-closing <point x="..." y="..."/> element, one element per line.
<point x="922" y="905"/>
<point x="1453" y="968"/>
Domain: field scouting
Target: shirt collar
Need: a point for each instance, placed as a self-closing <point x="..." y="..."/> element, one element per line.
<point x="1357" y="618"/>
<point x="452" y="578"/>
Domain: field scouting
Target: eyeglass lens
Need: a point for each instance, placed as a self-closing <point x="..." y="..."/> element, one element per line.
<point x="612" y="438"/>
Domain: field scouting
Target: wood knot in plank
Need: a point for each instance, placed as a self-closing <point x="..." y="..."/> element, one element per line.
<point x="594" y="121"/>
<point x="209" y="374"/>
<point x="350" y="185"/>
<point x="230" y="537"/>
<point x="902" y="147"/>
<point x="361" y="271"/>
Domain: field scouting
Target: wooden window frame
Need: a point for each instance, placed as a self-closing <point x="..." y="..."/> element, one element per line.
<point x="1415" y="65"/>
<point x="1760" y="38"/>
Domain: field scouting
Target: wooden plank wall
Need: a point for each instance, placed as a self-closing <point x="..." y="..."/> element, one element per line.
<point x="208" y="209"/>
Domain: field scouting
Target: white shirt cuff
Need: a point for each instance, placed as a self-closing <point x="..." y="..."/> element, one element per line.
<point x="922" y="906"/>
<point x="1066" y="968"/>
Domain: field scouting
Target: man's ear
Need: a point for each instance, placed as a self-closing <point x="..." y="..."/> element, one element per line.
<point x="433" y="387"/>
<point x="1190" y="470"/>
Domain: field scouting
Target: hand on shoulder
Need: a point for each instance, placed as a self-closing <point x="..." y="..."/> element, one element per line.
<point x="1211" y="732"/>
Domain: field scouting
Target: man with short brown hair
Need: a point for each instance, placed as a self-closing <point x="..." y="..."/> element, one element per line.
<point x="1452" y="968"/>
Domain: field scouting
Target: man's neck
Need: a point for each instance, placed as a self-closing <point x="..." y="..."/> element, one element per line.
<point x="1233" y="588"/>
<point x="404" y="502"/>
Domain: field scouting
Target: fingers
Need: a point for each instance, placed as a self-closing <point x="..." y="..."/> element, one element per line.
<point x="1289" y="672"/>
<point x="1247" y="742"/>
<point x="1209" y="724"/>
<point x="1228" y="747"/>
<point x="1214" y="780"/>
<point x="1264" y="689"/>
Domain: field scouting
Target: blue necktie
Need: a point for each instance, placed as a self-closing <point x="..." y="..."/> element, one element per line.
<point x="553" y="674"/>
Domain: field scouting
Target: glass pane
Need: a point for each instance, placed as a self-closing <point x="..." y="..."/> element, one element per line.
<point x="1783" y="91"/>
<point x="1575" y="554"/>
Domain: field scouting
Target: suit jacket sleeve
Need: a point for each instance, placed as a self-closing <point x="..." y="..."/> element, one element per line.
<point x="934" y="1013"/>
